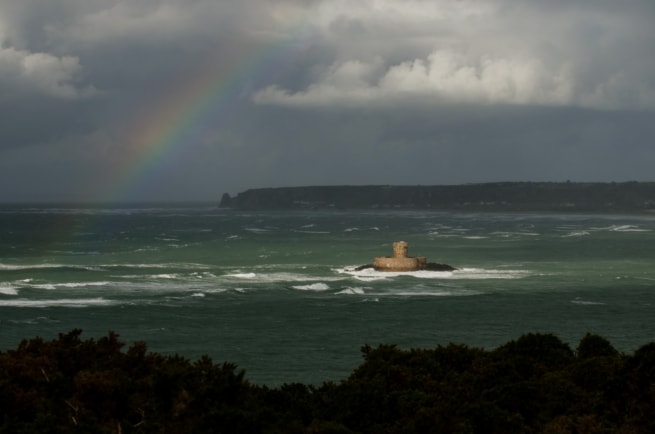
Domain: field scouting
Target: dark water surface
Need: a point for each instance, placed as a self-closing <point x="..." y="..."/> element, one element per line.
<point x="275" y="292"/>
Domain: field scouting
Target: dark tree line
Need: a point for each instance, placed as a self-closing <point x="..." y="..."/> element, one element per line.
<point x="535" y="384"/>
<point x="491" y="197"/>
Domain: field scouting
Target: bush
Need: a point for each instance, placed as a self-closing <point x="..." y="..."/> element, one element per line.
<point x="533" y="384"/>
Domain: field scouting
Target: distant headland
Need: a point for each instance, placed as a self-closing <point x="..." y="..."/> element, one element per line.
<point x="619" y="197"/>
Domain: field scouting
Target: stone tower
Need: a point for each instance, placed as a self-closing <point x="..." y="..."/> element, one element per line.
<point x="399" y="261"/>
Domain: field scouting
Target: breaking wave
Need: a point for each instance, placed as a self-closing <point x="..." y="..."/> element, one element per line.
<point x="370" y="274"/>
<point x="312" y="287"/>
<point x="67" y="302"/>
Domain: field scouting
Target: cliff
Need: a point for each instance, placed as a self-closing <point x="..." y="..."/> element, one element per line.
<point x="612" y="197"/>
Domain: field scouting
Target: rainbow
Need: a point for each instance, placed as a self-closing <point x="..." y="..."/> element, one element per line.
<point x="172" y="122"/>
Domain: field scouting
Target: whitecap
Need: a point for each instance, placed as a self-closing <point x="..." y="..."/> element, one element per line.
<point x="20" y="267"/>
<point x="198" y="294"/>
<point x="242" y="275"/>
<point x="369" y="274"/>
<point x="163" y="276"/>
<point x="436" y="293"/>
<point x="482" y="273"/>
<point x="81" y="284"/>
<point x="37" y="320"/>
<point x="72" y="302"/>
<point x="423" y="293"/>
<point x="586" y="303"/>
<point x="258" y="230"/>
<point x="280" y="277"/>
<point x="147" y="249"/>
<point x="514" y="234"/>
<point x="312" y="287"/>
<point x="8" y="290"/>
<point x="180" y="265"/>
<point x="628" y="228"/>
<point x="351" y="291"/>
<point x="576" y="234"/>
<point x="371" y="278"/>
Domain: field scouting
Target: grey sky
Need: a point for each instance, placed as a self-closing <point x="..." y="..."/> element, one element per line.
<point x="292" y="92"/>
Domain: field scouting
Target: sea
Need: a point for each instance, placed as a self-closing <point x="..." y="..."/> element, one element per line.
<point x="278" y="293"/>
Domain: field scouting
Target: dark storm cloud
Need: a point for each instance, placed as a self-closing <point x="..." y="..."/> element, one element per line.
<point x="336" y="92"/>
<point x="482" y="53"/>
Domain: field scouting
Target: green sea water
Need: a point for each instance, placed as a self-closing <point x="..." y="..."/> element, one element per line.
<point x="277" y="292"/>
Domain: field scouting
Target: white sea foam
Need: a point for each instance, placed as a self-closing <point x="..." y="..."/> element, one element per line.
<point x="198" y="294"/>
<point x="576" y="234"/>
<point x="147" y="249"/>
<point x="99" y="267"/>
<point x="514" y="234"/>
<point x="628" y="228"/>
<point x="48" y="286"/>
<point x="258" y="230"/>
<point x="80" y="284"/>
<point x="20" y="267"/>
<point x="586" y="302"/>
<point x="76" y="252"/>
<point x="214" y="290"/>
<point x="71" y="302"/>
<point x="424" y="293"/>
<point x="242" y="275"/>
<point x="164" y="276"/>
<point x="268" y="277"/>
<point x="620" y="228"/>
<point x="370" y="274"/>
<point x="313" y="287"/>
<point x="371" y="278"/>
<point x="352" y="291"/>
<point x="8" y="290"/>
<point x="482" y="273"/>
<point x="37" y="320"/>
<point x="179" y="265"/>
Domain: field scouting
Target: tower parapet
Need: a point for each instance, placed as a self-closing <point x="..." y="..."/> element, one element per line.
<point x="399" y="261"/>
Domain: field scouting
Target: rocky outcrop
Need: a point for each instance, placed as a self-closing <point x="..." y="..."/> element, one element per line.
<point x="401" y="262"/>
<point x="226" y="201"/>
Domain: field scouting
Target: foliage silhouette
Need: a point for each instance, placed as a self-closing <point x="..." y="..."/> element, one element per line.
<point x="534" y="384"/>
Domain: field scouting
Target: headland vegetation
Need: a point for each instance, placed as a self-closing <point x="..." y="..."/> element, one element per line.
<point x="568" y="197"/>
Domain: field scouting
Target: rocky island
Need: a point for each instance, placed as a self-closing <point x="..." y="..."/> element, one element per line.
<point x="625" y="197"/>
<point x="401" y="262"/>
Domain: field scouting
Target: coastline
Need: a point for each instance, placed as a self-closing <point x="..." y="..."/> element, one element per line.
<point x="629" y="198"/>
